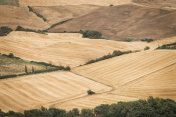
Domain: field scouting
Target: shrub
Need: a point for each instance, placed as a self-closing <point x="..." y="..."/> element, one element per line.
<point x="147" y="40"/>
<point x="90" y="92"/>
<point x="4" y="31"/>
<point x="111" y="5"/>
<point x="146" y="48"/>
<point x="91" y="34"/>
<point x="130" y="40"/>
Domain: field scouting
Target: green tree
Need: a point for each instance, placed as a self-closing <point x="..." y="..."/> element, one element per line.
<point x="26" y="70"/>
<point x="4" y="30"/>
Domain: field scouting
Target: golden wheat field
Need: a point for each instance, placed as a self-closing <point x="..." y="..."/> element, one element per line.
<point x="68" y="49"/>
<point x="36" y="90"/>
<point x="125" y="78"/>
<point x="48" y="66"/>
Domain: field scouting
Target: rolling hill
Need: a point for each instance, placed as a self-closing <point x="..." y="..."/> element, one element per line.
<point x="125" y="21"/>
<point x="157" y="3"/>
<point x="67" y="49"/>
<point x="36" y="90"/>
<point x="55" y="14"/>
<point x="12" y="16"/>
<point x="136" y="75"/>
<point x="70" y="2"/>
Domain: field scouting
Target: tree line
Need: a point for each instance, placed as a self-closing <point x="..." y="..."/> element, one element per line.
<point x="152" y="107"/>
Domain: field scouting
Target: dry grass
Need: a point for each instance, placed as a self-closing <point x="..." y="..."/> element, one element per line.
<point x="61" y="48"/>
<point x="12" y="16"/>
<point x="71" y="2"/>
<point x="9" y="2"/>
<point x="44" y="89"/>
<point x="55" y="14"/>
<point x="120" y="70"/>
<point x="125" y="21"/>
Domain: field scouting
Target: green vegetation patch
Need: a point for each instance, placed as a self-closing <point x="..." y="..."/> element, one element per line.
<point x="168" y="46"/>
<point x="12" y="66"/>
<point x="56" y="24"/>
<point x="39" y="15"/>
<point x="20" y="28"/>
<point x="9" y="2"/>
<point x="90" y="92"/>
<point x="91" y="34"/>
<point x="133" y="39"/>
<point x="152" y="107"/>
<point x="114" y="54"/>
<point x="4" y="30"/>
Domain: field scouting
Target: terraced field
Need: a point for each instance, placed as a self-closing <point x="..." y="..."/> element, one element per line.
<point x="61" y="49"/>
<point x="35" y="90"/>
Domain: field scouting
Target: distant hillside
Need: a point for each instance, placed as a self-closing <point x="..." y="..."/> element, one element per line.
<point x="71" y="2"/>
<point x="13" y="16"/>
<point x="55" y="14"/>
<point x="158" y="3"/>
<point x="125" y="21"/>
<point x="9" y="2"/>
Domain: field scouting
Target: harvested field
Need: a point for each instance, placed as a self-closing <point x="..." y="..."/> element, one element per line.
<point x="12" y="16"/>
<point x="66" y="49"/>
<point x="36" y="90"/>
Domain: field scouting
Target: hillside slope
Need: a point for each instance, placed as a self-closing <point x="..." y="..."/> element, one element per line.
<point x="125" y="21"/>
<point x="157" y="3"/>
<point x="70" y="2"/>
<point x="9" y="2"/>
<point x="55" y="14"/>
<point x="33" y="91"/>
<point x="61" y="48"/>
<point x="146" y="67"/>
<point x="13" y="16"/>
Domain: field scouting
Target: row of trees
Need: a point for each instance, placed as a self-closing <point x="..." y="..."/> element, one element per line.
<point x="168" y="46"/>
<point x="46" y="67"/>
<point x="114" y="54"/>
<point x="152" y="107"/>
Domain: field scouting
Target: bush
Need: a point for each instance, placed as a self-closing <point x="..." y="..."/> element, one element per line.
<point x="146" y="48"/>
<point x="90" y="92"/>
<point x="92" y="34"/>
<point x="147" y="40"/>
<point x="4" y="31"/>
<point x="130" y="40"/>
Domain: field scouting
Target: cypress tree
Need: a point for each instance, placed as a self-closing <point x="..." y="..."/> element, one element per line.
<point x="26" y="71"/>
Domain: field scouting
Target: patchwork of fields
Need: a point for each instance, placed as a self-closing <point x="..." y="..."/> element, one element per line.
<point x="145" y="71"/>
